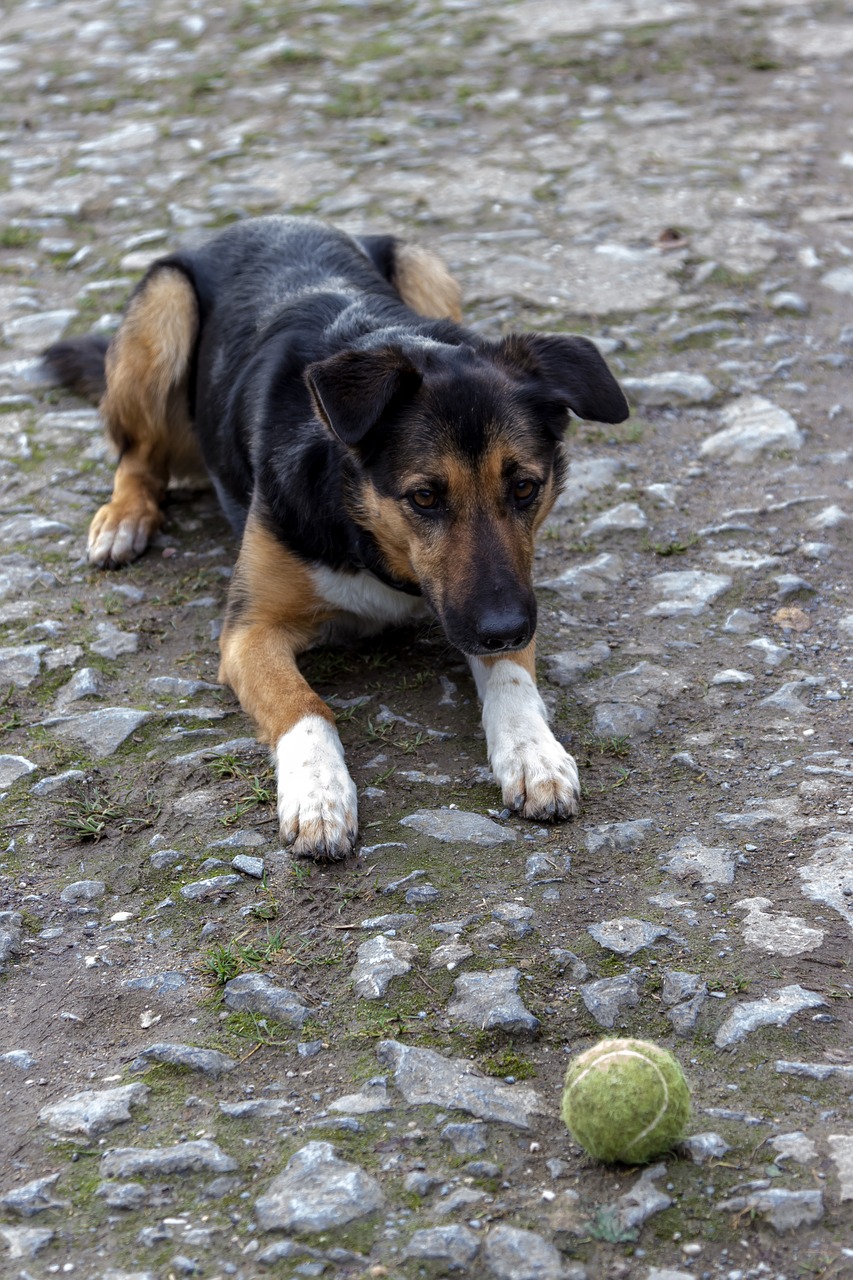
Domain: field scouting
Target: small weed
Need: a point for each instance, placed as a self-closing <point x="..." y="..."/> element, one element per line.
<point x="607" y="1227"/>
<point x="230" y="959"/>
<point x="508" y="1063"/>
<point x="16" y="237"/>
<point x="88" y="816"/>
<point x="672" y="548"/>
<point x="616" y="747"/>
<point x="249" y="1026"/>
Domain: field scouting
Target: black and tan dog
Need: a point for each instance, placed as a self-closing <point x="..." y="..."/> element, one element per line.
<point x="379" y="462"/>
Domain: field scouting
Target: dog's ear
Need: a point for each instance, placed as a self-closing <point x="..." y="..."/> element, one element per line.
<point x="572" y="370"/>
<point x="352" y="390"/>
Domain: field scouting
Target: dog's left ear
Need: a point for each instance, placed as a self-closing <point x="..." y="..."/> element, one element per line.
<point x="572" y="370"/>
<point x="352" y="390"/>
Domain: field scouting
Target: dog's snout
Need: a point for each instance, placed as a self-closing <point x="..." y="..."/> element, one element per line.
<point x="503" y="629"/>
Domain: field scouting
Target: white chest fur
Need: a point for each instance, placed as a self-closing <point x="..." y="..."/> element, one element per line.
<point x="366" y="605"/>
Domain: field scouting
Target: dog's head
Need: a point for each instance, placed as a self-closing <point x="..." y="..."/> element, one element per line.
<point x="457" y="459"/>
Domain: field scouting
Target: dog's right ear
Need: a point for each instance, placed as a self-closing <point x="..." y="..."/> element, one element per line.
<point x="354" y="389"/>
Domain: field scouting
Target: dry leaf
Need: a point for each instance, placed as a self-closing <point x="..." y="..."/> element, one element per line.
<point x="792" y="619"/>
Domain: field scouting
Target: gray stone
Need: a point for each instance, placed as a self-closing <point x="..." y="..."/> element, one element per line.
<point x="626" y="936"/>
<point x="11" y="933"/>
<point x="608" y="998"/>
<point x="254" y="993"/>
<point x="689" y="859"/>
<point x="210" y="1062"/>
<point x="702" y="1147"/>
<point x="740" y="622"/>
<point x="83" y="891"/>
<point x="510" y="1253"/>
<point x="751" y="426"/>
<point x="94" y="1111"/>
<point x="686" y="592"/>
<point x="101" y="732"/>
<point x="618" y="837"/>
<point x="515" y="917"/>
<point x="390" y="921"/>
<point x="596" y="577"/>
<point x="160" y="983"/>
<point x="779" y="934"/>
<point x="317" y="1192"/>
<point x="34" y="333"/>
<point x="586" y="476"/>
<point x="20" y="664"/>
<point x="373" y="1097"/>
<point x="422" y="895"/>
<point x="466" y="1139"/>
<point x="794" y="1146"/>
<point x="623" y="720"/>
<point x="641" y="1201"/>
<point x="211" y="887"/>
<point x="25" y="528"/>
<point x="256" y="1108"/>
<point x="25" y="1242"/>
<point x="816" y="1070"/>
<point x="178" y="687"/>
<point x="111" y="642"/>
<point x="685" y="995"/>
<point x="14" y="767"/>
<point x="773" y="1011"/>
<point x="841" y="1154"/>
<point x="452" y="1247"/>
<point x="378" y="961"/>
<point x="32" y="1198"/>
<point x="671" y="388"/>
<point x="490" y="1001"/>
<point x="200" y="1156"/>
<point x="449" y="955"/>
<point x="19" y="1059"/>
<point x="628" y="517"/>
<point x="784" y="1210"/>
<point x="85" y="683"/>
<point x="568" y="668"/>
<point x="773" y="655"/>
<point x="122" y="1195"/>
<point x="453" y="826"/>
<point x="59" y="782"/>
<point x="840" y="280"/>
<point x="248" y="866"/>
<point x="425" y="1078"/>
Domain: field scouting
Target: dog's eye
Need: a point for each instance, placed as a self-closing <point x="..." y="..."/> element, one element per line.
<point x="524" y="491"/>
<point x="424" y="499"/>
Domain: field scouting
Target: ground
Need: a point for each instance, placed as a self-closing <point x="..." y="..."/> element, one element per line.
<point x="673" y="180"/>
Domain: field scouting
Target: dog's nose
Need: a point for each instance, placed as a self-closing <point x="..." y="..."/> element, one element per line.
<point x="503" y="629"/>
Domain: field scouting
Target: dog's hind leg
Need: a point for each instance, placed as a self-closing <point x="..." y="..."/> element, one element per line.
<point x="146" y="411"/>
<point x="537" y="776"/>
<point x="273" y="613"/>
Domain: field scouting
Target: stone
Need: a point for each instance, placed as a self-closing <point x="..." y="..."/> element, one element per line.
<point x="85" y="683"/>
<point x="773" y="1011"/>
<point x="425" y="1078"/>
<point x="686" y="592"/>
<point x="26" y="528"/>
<point x="373" y="1097"/>
<point x="200" y="1156"/>
<point x="670" y="388"/>
<point x="122" y="1195"/>
<point x="19" y="1059"/>
<point x="607" y="999"/>
<point x="586" y="476"/>
<point x="452" y="826"/>
<point x="794" y="1146"/>
<point x="378" y="961"/>
<point x="702" y="1147"/>
<point x="841" y="1154"/>
<point x="254" y="993"/>
<point x="25" y="1242"/>
<point x="317" y="1192"/>
<point x="569" y="667"/>
<point x="689" y="859"/>
<point x="211" y="887"/>
<point x="618" y="837"/>
<point x="626" y="936"/>
<point x="628" y="517"/>
<point x="83" y="891"/>
<point x="510" y="1253"/>
<point x="640" y="1202"/>
<point x="256" y="1108"/>
<point x="827" y="877"/>
<point x="778" y="934"/>
<point x="111" y="642"/>
<point x="452" y="1247"/>
<point x="751" y="426"/>
<point x="14" y="767"/>
<point x="449" y="955"/>
<point x="101" y="732"/>
<point x="784" y="1210"/>
<point x="248" y="866"/>
<point x="11" y="934"/>
<point x="210" y="1062"/>
<point x="93" y="1111"/>
<point x="623" y="720"/>
<point x="20" y="664"/>
<point x="34" y="333"/>
<point x="840" y="280"/>
<point x="816" y="1070"/>
<point x="515" y="917"/>
<point x="490" y="1001"/>
<point x="32" y="1198"/>
<point x="466" y="1139"/>
<point x="731" y="676"/>
<point x="596" y="577"/>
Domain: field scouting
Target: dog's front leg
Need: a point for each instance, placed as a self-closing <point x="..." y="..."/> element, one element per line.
<point x="272" y="615"/>
<point x="537" y="776"/>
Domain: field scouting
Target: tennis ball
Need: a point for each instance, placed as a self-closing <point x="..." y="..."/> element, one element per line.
<point x="626" y="1101"/>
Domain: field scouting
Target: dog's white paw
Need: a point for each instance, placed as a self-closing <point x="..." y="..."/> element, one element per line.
<point x="117" y="537"/>
<point x="538" y="778"/>
<point x="317" y="801"/>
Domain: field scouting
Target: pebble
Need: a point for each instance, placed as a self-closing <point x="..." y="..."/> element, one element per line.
<point x="670" y="388"/>
<point x="750" y="427"/>
<point x="511" y="1253"/>
<point x="83" y="891"/>
<point x="255" y="993"/>
<point x="372" y="1098"/>
<point x="641" y="1201"/>
<point x="686" y="592"/>
<point x="26" y="1242"/>
<point x="210" y="1062"/>
<point x="101" y="732"/>
<point x="32" y="1198"/>
<point x="466" y="1139"/>
<point x="784" y="1210"/>
<point x="702" y="1147"/>
<point x="14" y="767"/>
<point x="618" y="837"/>
<point x="772" y="1011"/>
<point x="248" y="866"/>
<point x="426" y="1078"/>
<point x="94" y="1111"/>
<point x="454" y="1247"/>
<point x="490" y="1001"/>
<point x="841" y="1154"/>
<point x="794" y="1146"/>
<point x="689" y="859"/>
<point x="628" y="517"/>
<point x="626" y="936"/>
<point x="455" y="825"/>
<point x="317" y="1192"/>
<point x="607" y="999"/>
<point x="212" y="887"/>
<point x="378" y="961"/>
<point x="199" y="1156"/>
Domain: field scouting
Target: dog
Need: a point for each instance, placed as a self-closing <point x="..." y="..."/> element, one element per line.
<point x="379" y="462"/>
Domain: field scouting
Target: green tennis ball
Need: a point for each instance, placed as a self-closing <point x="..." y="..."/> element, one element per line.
<point x="626" y="1101"/>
